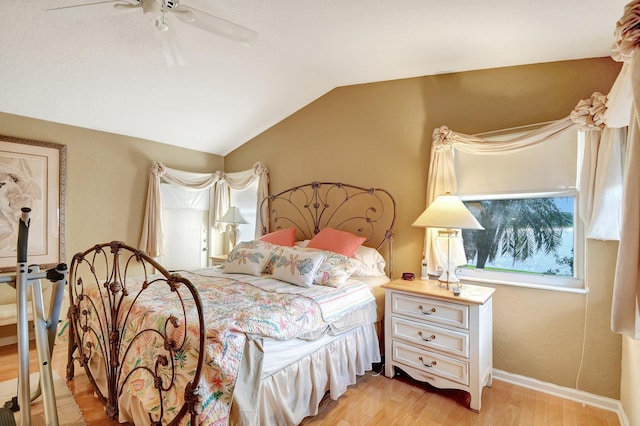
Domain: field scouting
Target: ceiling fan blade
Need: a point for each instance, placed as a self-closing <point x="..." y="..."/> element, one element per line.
<point x="93" y="10"/>
<point x="82" y="5"/>
<point x="127" y="6"/>
<point x="215" y="25"/>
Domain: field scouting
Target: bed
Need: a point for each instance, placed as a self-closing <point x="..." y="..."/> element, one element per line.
<point x="259" y="340"/>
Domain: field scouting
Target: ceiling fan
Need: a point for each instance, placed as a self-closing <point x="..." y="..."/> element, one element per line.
<point x="160" y="12"/>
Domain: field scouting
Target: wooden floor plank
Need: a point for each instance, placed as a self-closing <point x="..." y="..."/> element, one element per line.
<point x="377" y="400"/>
<point x="541" y="411"/>
<point x="569" y="413"/>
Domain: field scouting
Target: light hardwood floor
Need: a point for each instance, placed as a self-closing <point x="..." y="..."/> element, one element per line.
<point x="377" y="400"/>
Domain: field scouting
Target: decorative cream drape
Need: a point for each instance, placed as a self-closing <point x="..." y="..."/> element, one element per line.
<point x="442" y="174"/>
<point x="625" y="317"/>
<point x="219" y="182"/>
<point x="240" y="181"/>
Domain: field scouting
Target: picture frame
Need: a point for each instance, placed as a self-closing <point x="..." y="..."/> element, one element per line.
<point x="32" y="174"/>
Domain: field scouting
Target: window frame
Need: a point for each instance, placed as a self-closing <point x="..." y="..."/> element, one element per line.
<point x="575" y="284"/>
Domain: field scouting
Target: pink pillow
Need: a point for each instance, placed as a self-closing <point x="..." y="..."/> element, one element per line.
<point x="336" y="241"/>
<point x="283" y="237"/>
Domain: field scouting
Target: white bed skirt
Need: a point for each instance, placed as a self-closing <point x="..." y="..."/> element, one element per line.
<point x="295" y="391"/>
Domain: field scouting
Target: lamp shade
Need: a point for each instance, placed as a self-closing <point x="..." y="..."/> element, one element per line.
<point x="233" y="216"/>
<point x="447" y="211"/>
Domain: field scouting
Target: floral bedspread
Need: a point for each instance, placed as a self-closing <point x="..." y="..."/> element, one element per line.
<point x="258" y="306"/>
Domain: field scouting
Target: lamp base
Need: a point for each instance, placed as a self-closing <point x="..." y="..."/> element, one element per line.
<point x="449" y="278"/>
<point x="447" y="240"/>
<point x="233" y="234"/>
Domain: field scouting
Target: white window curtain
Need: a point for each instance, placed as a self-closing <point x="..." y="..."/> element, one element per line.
<point x="241" y="181"/>
<point x="598" y="176"/>
<point x="442" y="173"/>
<point x="625" y="316"/>
<point x="218" y="182"/>
<point x="601" y="170"/>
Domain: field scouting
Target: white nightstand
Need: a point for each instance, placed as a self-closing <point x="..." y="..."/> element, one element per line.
<point x="218" y="259"/>
<point x="439" y="338"/>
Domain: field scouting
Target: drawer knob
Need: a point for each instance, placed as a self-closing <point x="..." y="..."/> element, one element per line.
<point x="429" y="312"/>
<point x="427" y="365"/>
<point x="427" y="339"/>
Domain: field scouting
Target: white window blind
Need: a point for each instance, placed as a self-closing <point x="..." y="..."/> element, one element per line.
<point x="547" y="167"/>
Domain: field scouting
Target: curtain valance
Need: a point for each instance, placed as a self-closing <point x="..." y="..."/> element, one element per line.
<point x="219" y="183"/>
<point x="588" y="116"/>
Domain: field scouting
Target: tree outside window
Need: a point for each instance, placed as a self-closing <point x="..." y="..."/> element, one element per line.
<point x="529" y="235"/>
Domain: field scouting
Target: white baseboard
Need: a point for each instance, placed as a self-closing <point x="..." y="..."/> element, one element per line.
<point x="583" y="397"/>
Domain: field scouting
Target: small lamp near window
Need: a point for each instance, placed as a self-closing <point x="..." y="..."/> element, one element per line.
<point x="233" y="218"/>
<point x="448" y="214"/>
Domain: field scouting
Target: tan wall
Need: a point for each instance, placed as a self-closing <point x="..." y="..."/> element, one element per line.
<point x="380" y="135"/>
<point x="630" y="386"/>
<point x="107" y="178"/>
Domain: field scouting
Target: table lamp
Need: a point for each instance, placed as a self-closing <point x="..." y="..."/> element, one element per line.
<point x="233" y="218"/>
<point x="450" y="215"/>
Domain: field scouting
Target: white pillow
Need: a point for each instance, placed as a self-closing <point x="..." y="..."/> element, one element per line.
<point x="246" y="261"/>
<point x="296" y="267"/>
<point x="371" y="262"/>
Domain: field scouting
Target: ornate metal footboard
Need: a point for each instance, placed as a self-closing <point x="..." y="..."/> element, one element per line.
<point x="110" y="285"/>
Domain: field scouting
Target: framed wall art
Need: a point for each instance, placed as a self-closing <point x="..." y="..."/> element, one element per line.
<point x="32" y="174"/>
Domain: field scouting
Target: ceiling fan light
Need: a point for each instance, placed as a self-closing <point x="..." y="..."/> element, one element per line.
<point x="161" y="24"/>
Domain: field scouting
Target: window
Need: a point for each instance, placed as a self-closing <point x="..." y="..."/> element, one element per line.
<point x="528" y="204"/>
<point x="528" y="240"/>
<point x="185" y="218"/>
<point x="246" y="200"/>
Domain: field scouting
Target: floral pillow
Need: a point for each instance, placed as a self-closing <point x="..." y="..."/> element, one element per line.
<point x="246" y="261"/>
<point x="296" y="267"/>
<point x="263" y="245"/>
<point x="368" y="261"/>
<point x="335" y="268"/>
<point x="254" y="244"/>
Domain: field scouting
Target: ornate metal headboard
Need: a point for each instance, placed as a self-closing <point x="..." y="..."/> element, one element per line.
<point x="368" y="212"/>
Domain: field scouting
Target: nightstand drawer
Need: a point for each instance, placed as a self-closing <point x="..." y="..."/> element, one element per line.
<point x="433" y="337"/>
<point x="433" y="310"/>
<point x="432" y="363"/>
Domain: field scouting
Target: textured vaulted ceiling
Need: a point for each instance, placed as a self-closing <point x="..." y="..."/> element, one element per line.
<point x="101" y="68"/>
